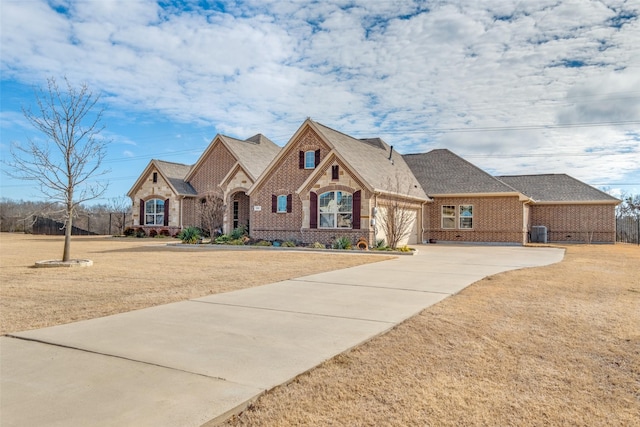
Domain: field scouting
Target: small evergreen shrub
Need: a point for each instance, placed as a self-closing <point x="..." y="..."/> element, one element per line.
<point x="129" y="232"/>
<point x="263" y="243"/>
<point x="318" y="245"/>
<point x="381" y="244"/>
<point x="140" y="232"/>
<point x="342" y="243"/>
<point x="164" y="232"/>
<point x="289" y="244"/>
<point x="153" y="233"/>
<point x="222" y="239"/>
<point x="238" y="233"/>
<point x="190" y="235"/>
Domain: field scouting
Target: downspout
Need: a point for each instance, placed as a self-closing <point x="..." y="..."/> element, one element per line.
<point x="181" y="211"/>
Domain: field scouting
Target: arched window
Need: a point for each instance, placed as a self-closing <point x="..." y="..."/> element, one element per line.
<point x="154" y="212"/>
<point x="336" y="209"/>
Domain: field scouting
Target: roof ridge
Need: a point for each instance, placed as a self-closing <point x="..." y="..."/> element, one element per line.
<point x="173" y="163"/>
<point x="361" y="140"/>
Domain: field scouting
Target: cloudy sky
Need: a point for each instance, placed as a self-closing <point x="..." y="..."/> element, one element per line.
<point x="514" y="86"/>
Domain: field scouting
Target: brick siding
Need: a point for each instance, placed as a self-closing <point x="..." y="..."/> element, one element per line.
<point x="495" y="219"/>
<point x="576" y="223"/>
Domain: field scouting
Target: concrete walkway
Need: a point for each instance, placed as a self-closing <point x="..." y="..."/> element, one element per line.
<point x="187" y="363"/>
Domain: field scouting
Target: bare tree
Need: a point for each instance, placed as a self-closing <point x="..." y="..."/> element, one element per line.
<point x="119" y="207"/>
<point x="396" y="214"/>
<point x="211" y="213"/>
<point x="66" y="162"/>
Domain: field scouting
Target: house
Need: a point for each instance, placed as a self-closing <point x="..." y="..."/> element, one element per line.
<point x="166" y="195"/>
<point x="324" y="184"/>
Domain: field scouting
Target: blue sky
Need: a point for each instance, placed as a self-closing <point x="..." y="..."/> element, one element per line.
<point x="515" y="87"/>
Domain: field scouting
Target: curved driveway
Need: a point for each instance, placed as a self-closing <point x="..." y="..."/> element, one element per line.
<point x="187" y="363"/>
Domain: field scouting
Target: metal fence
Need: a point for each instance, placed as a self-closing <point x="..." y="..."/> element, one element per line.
<point x="84" y="224"/>
<point x="628" y="229"/>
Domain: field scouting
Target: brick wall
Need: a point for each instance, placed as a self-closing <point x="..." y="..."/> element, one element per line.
<point x="285" y="178"/>
<point x="495" y="219"/>
<point x="576" y="223"/>
<point x="213" y="169"/>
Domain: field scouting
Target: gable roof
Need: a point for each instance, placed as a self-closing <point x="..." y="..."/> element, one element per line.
<point x="443" y="172"/>
<point x="254" y="154"/>
<point x="172" y="173"/>
<point x="556" y="188"/>
<point x="370" y="159"/>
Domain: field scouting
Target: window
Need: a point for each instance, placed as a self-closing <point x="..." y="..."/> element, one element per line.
<point x="466" y="216"/>
<point x="335" y="172"/>
<point x="336" y="209"/>
<point x="154" y="212"/>
<point x="282" y="204"/>
<point x="448" y="216"/>
<point x="155" y="177"/>
<point x="309" y="159"/>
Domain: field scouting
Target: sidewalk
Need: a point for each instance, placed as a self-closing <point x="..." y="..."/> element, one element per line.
<point x="187" y="363"/>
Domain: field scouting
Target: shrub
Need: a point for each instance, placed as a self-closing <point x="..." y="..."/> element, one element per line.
<point x="405" y="248"/>
<point x="190" y="235"/>
<point x="140" y="232"/>
<point x="381" y="244"/>
<point x="222" y="239"/>
<point x="153" y="233"/>
<point x="342" y="243"/>
<point x="263" y="243"/>
<point x="236" y="242"/>
<point x="318" y="245"/>
<point x="129" y="232"/>
<point x="237" y="233"/>
<point x="164" y="232"/>
<point x="289" y="244"/>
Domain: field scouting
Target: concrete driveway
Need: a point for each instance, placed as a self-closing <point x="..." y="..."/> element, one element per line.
<point x="187" y="363"/>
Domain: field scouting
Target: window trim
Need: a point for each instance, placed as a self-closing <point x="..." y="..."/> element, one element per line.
<point x="443" y="217"/>
<point x="281" y="207"/>
<point x="461" y="217"/>
<point x="156" y="214"/>
<point x="457" y="217"/>
<point x="310" y="159"/>
<point x="336" y="214"/>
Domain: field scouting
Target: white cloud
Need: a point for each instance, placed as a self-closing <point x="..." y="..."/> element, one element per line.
<point x="368" y="68"/>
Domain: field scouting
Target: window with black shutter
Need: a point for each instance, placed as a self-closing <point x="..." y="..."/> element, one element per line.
<point x="313" y="210"/>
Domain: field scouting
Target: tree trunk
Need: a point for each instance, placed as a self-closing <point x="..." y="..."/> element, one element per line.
<point x="67" y="238"/>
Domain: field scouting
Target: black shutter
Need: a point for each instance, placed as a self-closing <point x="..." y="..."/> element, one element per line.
<point x="166" y="213"/>
<point x="141" y="222"/>
<point x="313" y="210"/>
<point x="289" y="203"/>
<point x="355" y="216"/>
<point x="317" y="160"/>
<point x="274" y="203"/>
<point x="301" y="160"/>
<point x="335" y="172"/>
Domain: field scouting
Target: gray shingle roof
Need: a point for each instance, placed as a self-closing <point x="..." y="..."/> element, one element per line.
<point x="254" y="153"/>
<point x="370" y="158"/>
<point x="556" y="188"/>
<point x="175" y="173"/>
<point x="443" y="172"/>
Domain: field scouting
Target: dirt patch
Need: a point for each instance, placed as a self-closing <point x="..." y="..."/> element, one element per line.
<point x="556" y="345"/>
<point x="130" y="274"/>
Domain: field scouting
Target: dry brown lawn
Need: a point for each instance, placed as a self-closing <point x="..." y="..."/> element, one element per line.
<point x="556" y="345"/>
<point x="130" y="274"/>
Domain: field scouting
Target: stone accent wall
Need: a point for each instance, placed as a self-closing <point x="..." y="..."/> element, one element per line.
<point x="156" y="190"/>
<point x="495" y="219"/>
<point x="576" y="223"/>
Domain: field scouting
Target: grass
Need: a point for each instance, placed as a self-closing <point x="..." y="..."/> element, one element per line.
<point x="129" y="274"/>
<point x="556" y="345"/>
